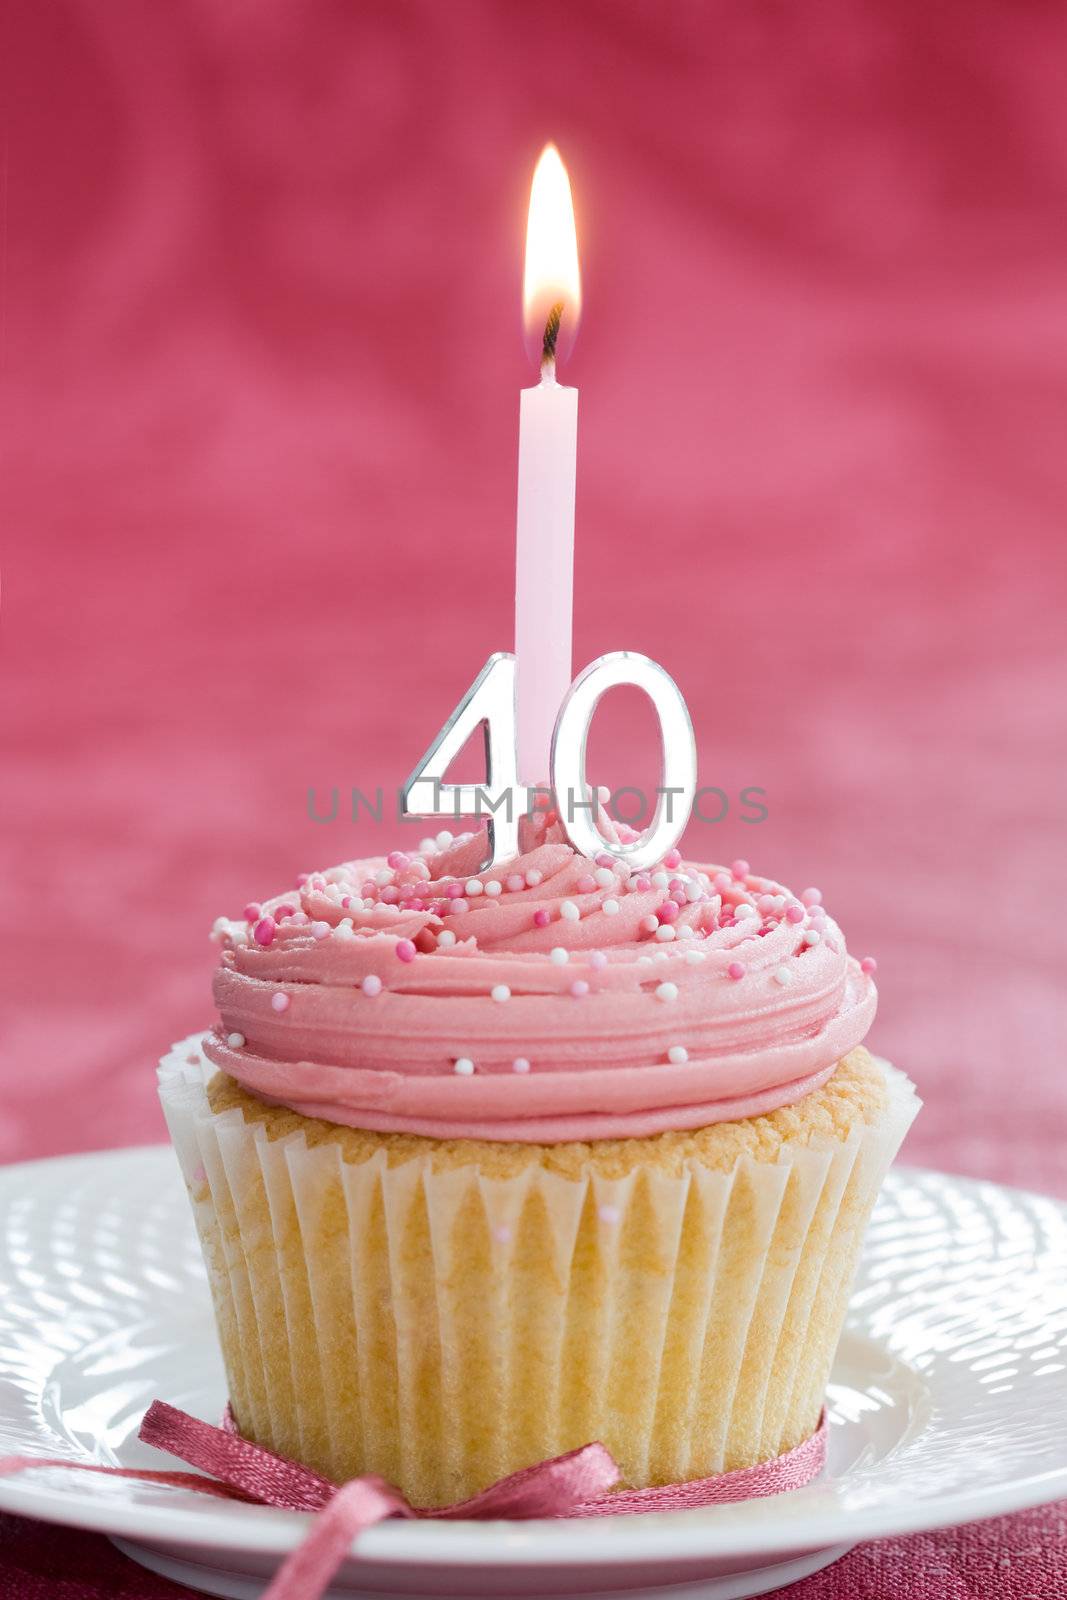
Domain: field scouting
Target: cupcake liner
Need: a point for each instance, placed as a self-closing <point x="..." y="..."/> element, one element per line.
<point x="445" y="1327"/>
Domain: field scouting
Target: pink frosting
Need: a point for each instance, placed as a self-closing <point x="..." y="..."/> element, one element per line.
<point x="598" y="1031"/>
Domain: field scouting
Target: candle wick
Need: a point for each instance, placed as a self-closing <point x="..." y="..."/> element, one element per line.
<point x="548" y="346"/>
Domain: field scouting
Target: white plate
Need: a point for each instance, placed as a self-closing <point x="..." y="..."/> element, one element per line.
<point x="948" y="1401"/>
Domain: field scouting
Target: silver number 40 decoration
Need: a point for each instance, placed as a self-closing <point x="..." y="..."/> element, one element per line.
<point x="490" y="700"/>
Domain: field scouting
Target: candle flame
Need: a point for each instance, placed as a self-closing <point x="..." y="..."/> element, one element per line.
<point x="552" y="287"/>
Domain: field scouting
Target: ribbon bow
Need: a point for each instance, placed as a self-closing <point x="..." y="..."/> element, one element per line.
<point x="578" y="1484"/>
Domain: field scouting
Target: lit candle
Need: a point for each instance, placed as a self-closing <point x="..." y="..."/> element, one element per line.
<point x="548" y="442"/>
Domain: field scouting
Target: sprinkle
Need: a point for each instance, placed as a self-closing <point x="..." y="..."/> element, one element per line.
<point x="782" y="975"/>
<point x="794" y="913"/>
<point x="609" y="1214"/>
<point x="542" y="918"/>
<point x="253" y="911"/>
<point x="383" y="876"/>
<point x="677" y="1054"/>
<point x="603" y="877"/>
<point x="515" y="883"/>
<point x="666" y="931"/>
<point x="284" y="911"/>
<point x="301" y="879"/>
<point x="398" y="860"/>
<point x="533" y="877"/>
<point x="319" y="930"/>
<point x="735" y="970"/>
<point x="445" y="939"/>
<point x="659" y="880"/>
<point x="686" y="932"/>
<point x="464" y="1066"/>
<point x="500" y="991"/>
<point x="279" y="1002"/>
<point x="520" y="1064"/>
<point x="443" y="840"/>
<point x="501" y="1234"/>
<point x="744" y="911"/>
<point x="811" y="936"/>
<point x="569" y="911"/>
<point x="650" y="924"/>
<point x="579" y="988"/>
<point x="641" y="882"/>
<point x="263" y="932"/>
<point x="695" y="957"/>
<point x="586" y="883"/>
<point x="693" y="892"/>
<point x="371" y="985"/>
<point x="673" y="858"/>
<point x="668" y="912"/>
<point x="597" y="960"/>
<point x="235" y="1040"/>
<point x="739" y="868"/>
<point x="492" y="888"/>
<point x="667" y="991"/>
<point x="811" y="897"/>
<point x="454" y="890"/>
<point x="427" y="847"/>
<point x="559" y="956"/>
<point x="868" y="964"/>
<point x="458" y="907"/>
<point x="405" y="950"/>
<point x="610" y="908"/>
<point x="472" y="887"/>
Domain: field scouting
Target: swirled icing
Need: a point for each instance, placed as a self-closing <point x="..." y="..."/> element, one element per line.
<point x="371" y="984"/>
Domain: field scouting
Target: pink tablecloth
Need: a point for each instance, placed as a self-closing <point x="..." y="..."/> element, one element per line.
<point x="260" y="356"/>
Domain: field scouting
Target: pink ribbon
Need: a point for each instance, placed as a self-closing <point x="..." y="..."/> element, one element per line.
<point x="578" y="1484"/>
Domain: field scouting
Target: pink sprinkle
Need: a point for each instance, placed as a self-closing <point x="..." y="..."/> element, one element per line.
<point x="299" y="917"/>
<point x="868" y="964"/>
<point x="765" y="904"/>
<point x="736" y="970"/>
<point x="371" y="985"/>
<point x="812" y="897"/>
<point x="597" y="960"/>
<point x="320" y="930"/>
<point x="253" y="911"/>
<point x="369" y="890"/>
<point x="501" y="1234"/>
<point x="586" y="884"/>
<point x="541" y="918"/>
<point x="642" y="881"/>
<point x="346" y="901"/>
<point x="457" y="907"/>
<point x="284" y="911"/>
<point x="608" y="1214"/>
<point x="721" y="882"/>
<point x="514" y="882"/>
<point x="199" y="1174"/>
<point x="672" y="859"/>
<point x="405" y="950"/>
<point x="794" y="913"/>
<point x="739" y="868"/>
<point x="454" y="891"/>
<point x="398" y="860"/>
<point x="301" y="879"/>
<point x="678" y="896"/>
<point x="520" y="1064"/>
<point x="667" y="912"/>
<point x="604" y="860"/>
<point x="579" y="988"/>
<point x="279" y="1001"/>
<point x="263" y="932"/>
<point x="389" y="895"/>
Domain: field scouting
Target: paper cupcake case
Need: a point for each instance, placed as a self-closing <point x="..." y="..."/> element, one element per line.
<point x="444" y="1327"/>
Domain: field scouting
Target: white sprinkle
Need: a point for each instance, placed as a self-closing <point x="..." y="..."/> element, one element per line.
<point x="235" y="1040"/>
<point x="660" y="880"/>
<point x="344" y="929"/>
<point x="677" y="1054"/>
<point x="220" y="926"/>
<point x="695" y="957"/>
<point x="685" y="931"/>
<point x="492" y="888"/>
<point x="610" y="908"/>
<point x="666" y="932"/>
<point x="569" y="911"/>
<point x="520" y="1064"/>
<point x="559" y="956"/>
<point x="371" y="984"/>
<point x="650" y="923"/>
<point x="464" y="1066"/>
<point x="659" y="955"/>
<point x="279" y="1002"/>
<point x="609" y="1214"/>
<point x="744" y="911"/>
<point x="667" y="991"/>
<point x="337" y="875"/>
<point x="693" y="892"/>
<point x="645" y="960"/>
<point x="456" y="908"/>
<point x="426" y="847"/>
<point x="811" y="936"/>
<point x="579" y="988"/>
<point x="783" y="976"/>
<point x="533" y="877"/>
<point x="603" y="793"/>
<point x="443" y="840"/>
<point x="445" y="939"/>
<point x="383" y="876"/>
<point x="500" y="991"/>
<point x="472" y="887"/>
<point x="604" y="877"/>
<point x="319" y="930"/>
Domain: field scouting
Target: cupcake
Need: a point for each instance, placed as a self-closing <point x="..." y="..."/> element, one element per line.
<point x="487" y="1165"/>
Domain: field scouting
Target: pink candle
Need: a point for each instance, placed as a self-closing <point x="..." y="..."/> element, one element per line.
<point x="548" y="442"/>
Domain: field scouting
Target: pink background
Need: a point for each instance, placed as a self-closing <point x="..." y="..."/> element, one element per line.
<point x="261" y="354"/>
